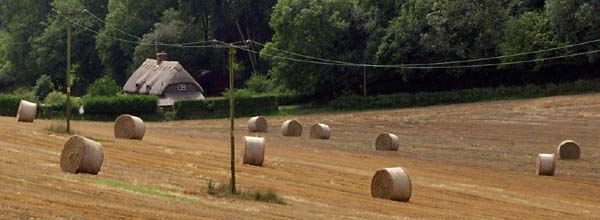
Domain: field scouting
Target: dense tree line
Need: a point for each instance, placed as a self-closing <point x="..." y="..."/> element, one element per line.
<point x="382" y="32"/>
<point x="430" y="31"/>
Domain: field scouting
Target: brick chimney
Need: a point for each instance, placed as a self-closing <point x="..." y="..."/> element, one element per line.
<point x="160" y="57"/>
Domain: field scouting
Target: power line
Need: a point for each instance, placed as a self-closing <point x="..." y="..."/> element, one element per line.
<point x="111" y="26"/>
<point x="432" y="64"/>
<point x="298" y="54"/>
<point x="322" y="61"/>
<point x="133" y="42"/>
<point x="419" y="67"/>
<point x="135" y="36"/>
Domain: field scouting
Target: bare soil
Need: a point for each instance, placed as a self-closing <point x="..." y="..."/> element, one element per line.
<point x="470" y="161"/>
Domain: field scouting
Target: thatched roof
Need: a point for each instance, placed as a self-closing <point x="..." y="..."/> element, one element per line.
<point x="153" y="79"/>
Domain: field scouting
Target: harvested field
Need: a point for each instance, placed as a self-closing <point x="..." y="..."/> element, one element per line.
<point x="471" y="161"/>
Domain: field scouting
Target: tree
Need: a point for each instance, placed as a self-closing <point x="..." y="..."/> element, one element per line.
<point x="172" y="29"/>
<point x="137" y="18"/>
<point x="19" y="24"/>
<point x="575" y="21"/>
<point x="49" y="48"/>
<point x="402" y="40"/>
<point x="464" y="29"/>
<point x="104" y="86"/>
<point x="43" y="87"/>
<point x="332" y="29"/>
<point x="231" y="21"/>
<point x="526" y="33"/>
<point x="259" y="83"/>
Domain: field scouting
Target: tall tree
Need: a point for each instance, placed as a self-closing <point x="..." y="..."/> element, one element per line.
<point x="19" y="24"/>
<point x="576" y="21"/>
<point x="172" y="29"/>
<point x="49" y="48"/>
<point x="528" y="32"/>
<point x="465" y="29"/>
<point x="332" y="29"/>
<point x="135" y="17"/>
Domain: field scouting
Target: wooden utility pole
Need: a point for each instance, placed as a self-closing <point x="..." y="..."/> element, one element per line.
<point x="365" y="81"/>
<point x="69" y="75"/>
<point x="69" y="17"/>
<point x="232" y="116"/>
<point x="231" y="48"/>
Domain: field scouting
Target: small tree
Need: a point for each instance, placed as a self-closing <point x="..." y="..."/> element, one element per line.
<point x="104" y="86"/>
<point x="43" y="87"/>
<point x="55" y="98"/>
<point x="259" y="83"/>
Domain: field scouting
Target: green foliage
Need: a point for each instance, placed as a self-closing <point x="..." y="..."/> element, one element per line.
<point x="529" y="32"/>
<point x="144" y="189"/>
<point x="111" y="107"/>
<point x="55" y="98"/>
<point x="260" y="83"/>
<point x="402" y="41"/>
<point x="49" y="47"/>
<point x="405" y="100"/>
<point x="289" y="98"/>
<point x="239" y="93"/>
<point x="135" y="16"/>
<point x="20" y="22"/>
<point x="43" y="87"/>
<point x="9" y="104"/>
<point x="328" y="29"/>
<point x="104" y="86"/>
<point x="575" y="21"/>
<point x="55" y="105"/>
<point x="268" y="196"/>
<point x="219" y="107"/>
<point x="33" y="41"/>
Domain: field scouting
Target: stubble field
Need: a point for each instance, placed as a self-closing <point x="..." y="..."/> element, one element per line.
<point x="470" y="161"/>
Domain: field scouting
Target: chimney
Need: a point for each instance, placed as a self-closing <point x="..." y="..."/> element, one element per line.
<point x="160" y="57"/>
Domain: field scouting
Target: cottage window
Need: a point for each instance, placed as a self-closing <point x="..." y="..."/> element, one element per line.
<point x="182" y="87"/>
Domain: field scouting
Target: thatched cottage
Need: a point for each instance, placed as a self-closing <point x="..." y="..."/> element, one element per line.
<point x="165" y="79"/>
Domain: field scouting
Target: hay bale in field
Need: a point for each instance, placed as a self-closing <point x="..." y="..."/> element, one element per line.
<point x="129" y="127"/>
<point x="387" y="141"/>
<point x="568" y="150"/>
<point x="254" y="151"/>
<point x="258" y="124"/>
<point x="391" y="183"/>
<point x="26" y="111"/>
<point x="545" y="164"/>
<point x="81" y="155"/>
<point x="320" y="131"/>
<point x="292" y="128"/>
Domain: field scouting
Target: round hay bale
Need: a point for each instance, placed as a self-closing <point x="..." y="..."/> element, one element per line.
<point x="292" y="128"/>
<point x="545" y="164"/>
<point x="320" y="131"/>
<point x="258" y="124"/>
<point x="391" y="183"/>
<point x="387" y="141"/>
<point x="568" y="150"/>
<point x="81" y="155"/>
<point x="26" y="111"/>
<point x="129" y="127"/>
<point x="254" y="151"/>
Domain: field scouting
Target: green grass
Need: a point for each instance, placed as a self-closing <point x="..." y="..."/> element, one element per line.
<point x="99" y="139"/>
<point x="406" y="100"/>
<point x="304" y="110"/>
<point x="261" y="195"/>
<point x="143" y="189"/>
